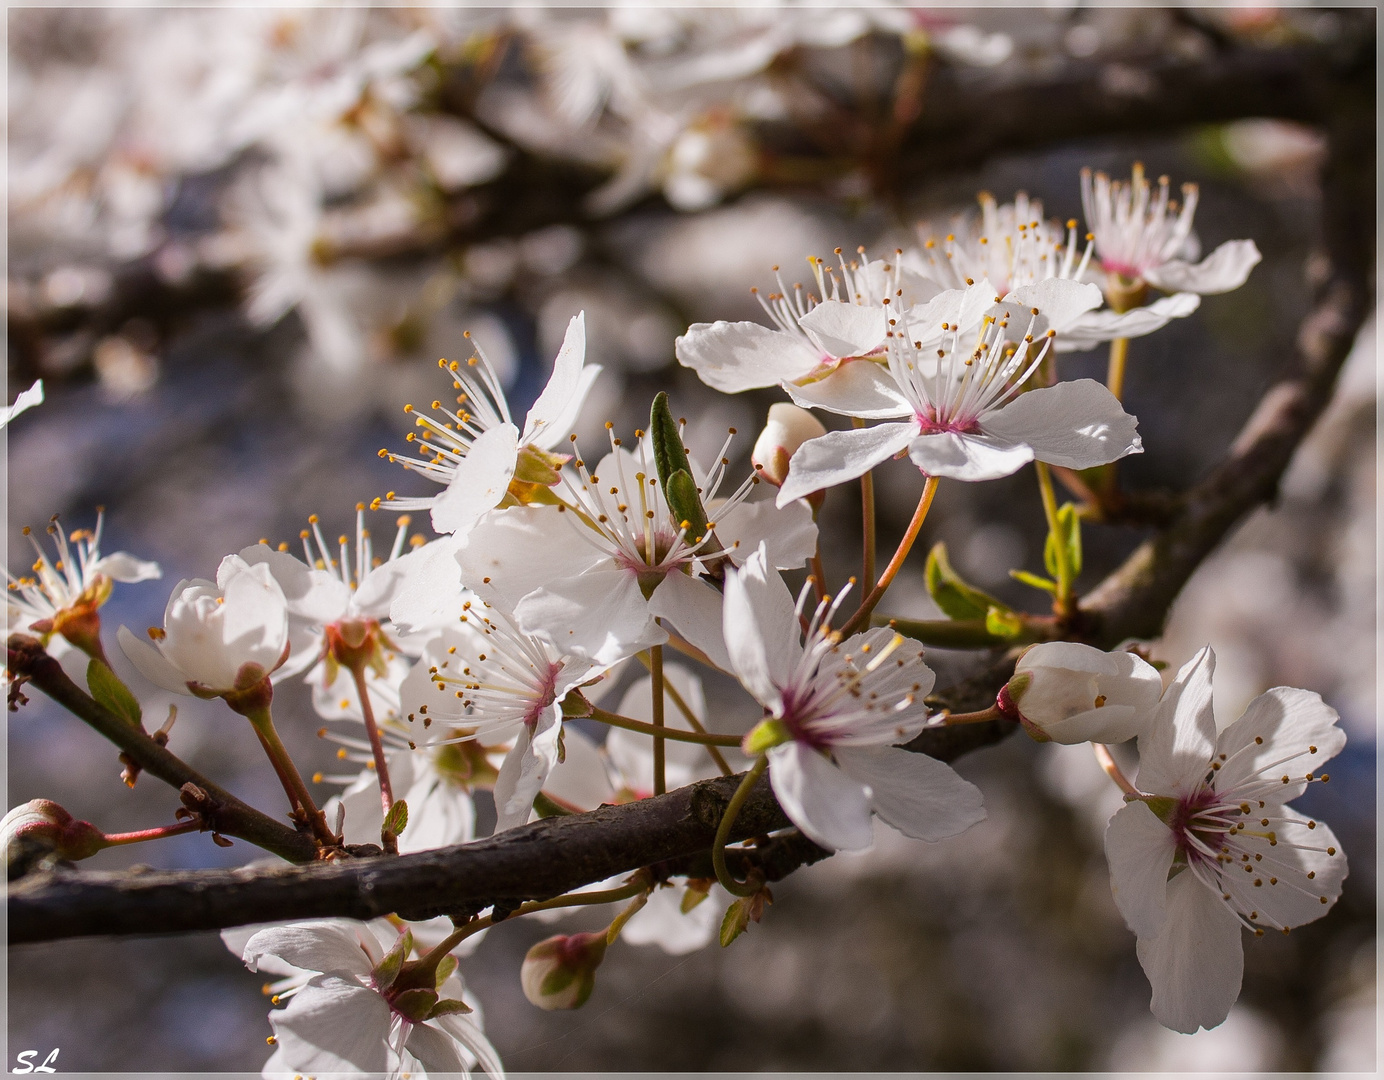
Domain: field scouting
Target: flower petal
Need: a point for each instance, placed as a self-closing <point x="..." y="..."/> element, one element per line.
<point x="662" y="922"/>
<point x="693" y="608"/>
<point x="1196" y="962"/>
<point x="1176" y="751"/>
<point x="1097" y="327"/>
<point x="601" y="615"/>
<point x="789" y="533"/>
<point x="1066" y="679"/>
<point x="1224" y="269"/>
<point x="1139" y="849"/>
<point x="435" y="1051"/>
<point x="918" y="795"/>
<point x="843" y="329"/>
<point x="761" y="629"/>
<point x="1060" y="303"/>
<point x="465" y="1030"/>
<point x="831" y="808"/>
<point x="312" y="596"/>
<point x="150" y="663"/>
<point x="860" y="388"/>
<point x="525" y="769"/>
<point x="322" y="945"/>
<point x="122" y="566"/>
<point x="1278" y="891"/>
<point x="551" y="418"/>
<point x="480" y="481"/>
<point x="515" y="551"/>
<point x="1289" y="721"/>
<point x="839" y="456"/>
<point x="1076" y="424"/>
<point x="333" y="1025"/>
<point x="739" y="356"/>
<point x="431" y="595"/>
<point x="967" y="457"/>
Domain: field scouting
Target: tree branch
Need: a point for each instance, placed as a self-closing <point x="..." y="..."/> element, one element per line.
<point x="221" y="810"/>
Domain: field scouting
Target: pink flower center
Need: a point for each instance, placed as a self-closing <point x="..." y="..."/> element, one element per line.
<point x="930" y="423"/>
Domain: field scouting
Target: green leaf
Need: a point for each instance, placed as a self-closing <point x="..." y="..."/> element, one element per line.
<point x="1064" y="542"/>
<point x="1070" y="520"/>
<point x="686" y="504"/>
<point x="957" y="598"/>
<point x="397" y="819"/>
<point x="1033" y="579"/>
<point x="108" y="690"/>
<point x="1003" y="623"/>
<point x="669" y="454"/>
<point x="737" y="918"/>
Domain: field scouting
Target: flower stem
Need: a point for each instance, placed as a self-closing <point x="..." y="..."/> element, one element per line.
<point x="702" y="738"/>
<point x="1112" y="769"/>
<point x="718" y="847"/>
<point x="867" y="513"/>
<point x="862" y="614"/>
<point x="691" y="718"/>
<point x="618" y="923"/>
<point x="389" y="841"/>
<point x="981" y="717"/>
<point x="656" y="688"/>
<point x="115" y="839"/>
<point x="298" y="794"/>
<point x="819" y="574"/>
<point x="1062" y="602"/>
<point x="1115" y="375"/>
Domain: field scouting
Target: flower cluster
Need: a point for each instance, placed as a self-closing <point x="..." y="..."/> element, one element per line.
<point x="483" y="660"/>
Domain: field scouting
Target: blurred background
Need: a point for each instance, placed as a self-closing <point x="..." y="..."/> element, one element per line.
<point x="239" y="240"/>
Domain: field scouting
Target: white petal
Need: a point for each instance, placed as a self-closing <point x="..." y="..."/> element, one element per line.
<point x="788" y="533"/>
<point x="255" y="618"/>
<point x="846" y="329"/>
<point x="601" y="615"/>
<point x="918" y="795"/>
<point x="522" y="549"/>
<point x="551" y="418"/>
<point x="1097" y="327"/>
<point x="1224" y="269"/>
<point x="440" y="813"/>
<point x="1176" y="752"/>
<point x="733" y="357"/>
<point x="312" y="596"/>
<point x="1065" y="681"/>
<point x="1289" y="721"/>
<point x="831" y="808"/>
<point x="1076" y="424"/>
<point x="150" y="663"/>
<point x="580" y="777"/>
<point x="1195" y="964"/>
<point x="324" y="945"/>
<point x="122" y="566"/>
<point x="431" y="594"/>
<point x="1139" y="849"/>
<point x="860" y="388"/>
<point x="525" y="769"/>
<point x="435" y="1051"/>
<point x="662" y="922"/>
<point x="761" y="629"/>
<point x="1285" y="895"/>
<point x="959" y="308"/>
<point x="839" y="456"/>
<point x="481" y="479"/>
<point x="693" y="608"/>
<point x="1060" y="303"/>
<point x="333" y="1025"/>
<point x="462" y="1028"/>
<point x="27" y="399"/>
<point x="967" y="457"/>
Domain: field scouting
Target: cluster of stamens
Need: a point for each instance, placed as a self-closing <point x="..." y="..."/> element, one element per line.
<point x="58" y="584"/>
<point x="1136" y="229"/>
<point x="847" y="282"/>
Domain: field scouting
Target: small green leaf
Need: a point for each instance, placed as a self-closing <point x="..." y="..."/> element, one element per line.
<point x="1070" y="520"/>
<point x="1050" y="557"/>
<point x="1033" y="579"/>
<point x="397" y="819"/>
<point x="1003" y="623"/>
<point x="669" y="454"/>
<point x="957" y="598"/>
<point x="737" y="918"/>
<point x="108" y="690"/>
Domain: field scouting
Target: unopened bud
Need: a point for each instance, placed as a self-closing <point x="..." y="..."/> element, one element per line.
<point x="41" y="825"/>
<point x="560" y="973"/>
<point x="787" y="429"/>
<point x="1066" y="692"/>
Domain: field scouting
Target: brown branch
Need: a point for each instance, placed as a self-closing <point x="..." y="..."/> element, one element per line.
<point x="221" y="810"/>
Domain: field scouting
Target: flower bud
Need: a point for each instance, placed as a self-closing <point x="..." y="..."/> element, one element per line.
<point x="1070" y="693"/>
<point x="560" y="973"/>
<point x="787" y="429"/>
<point x="40" y="826"/>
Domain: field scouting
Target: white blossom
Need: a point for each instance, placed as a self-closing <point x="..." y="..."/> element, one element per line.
<point x="1211" y="846"/>
<point x="1071" y="693"/>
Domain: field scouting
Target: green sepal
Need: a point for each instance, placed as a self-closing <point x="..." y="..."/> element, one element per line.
<point x="1003" y="623"/>
<point x="764" y="736"/>
<point x="736" y="920"/>
<point x="388" y="969"/>
<point x="669" y="454"/>
<point x="1162" y="806"/>
<point x="397" y="819"/>
<point x="541" y="467"/>
<point x="415" y="1005"/>
<point x="575" y="704"/>
<point x="956" y="597"/>
<point x="108" y="690"/>
<point x="448" y="1007"/>
<point x="698" y="889"/>
<point x="1034" y="580"/>
<point x="445" y="967"/>
<point x="557" y="980"/>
